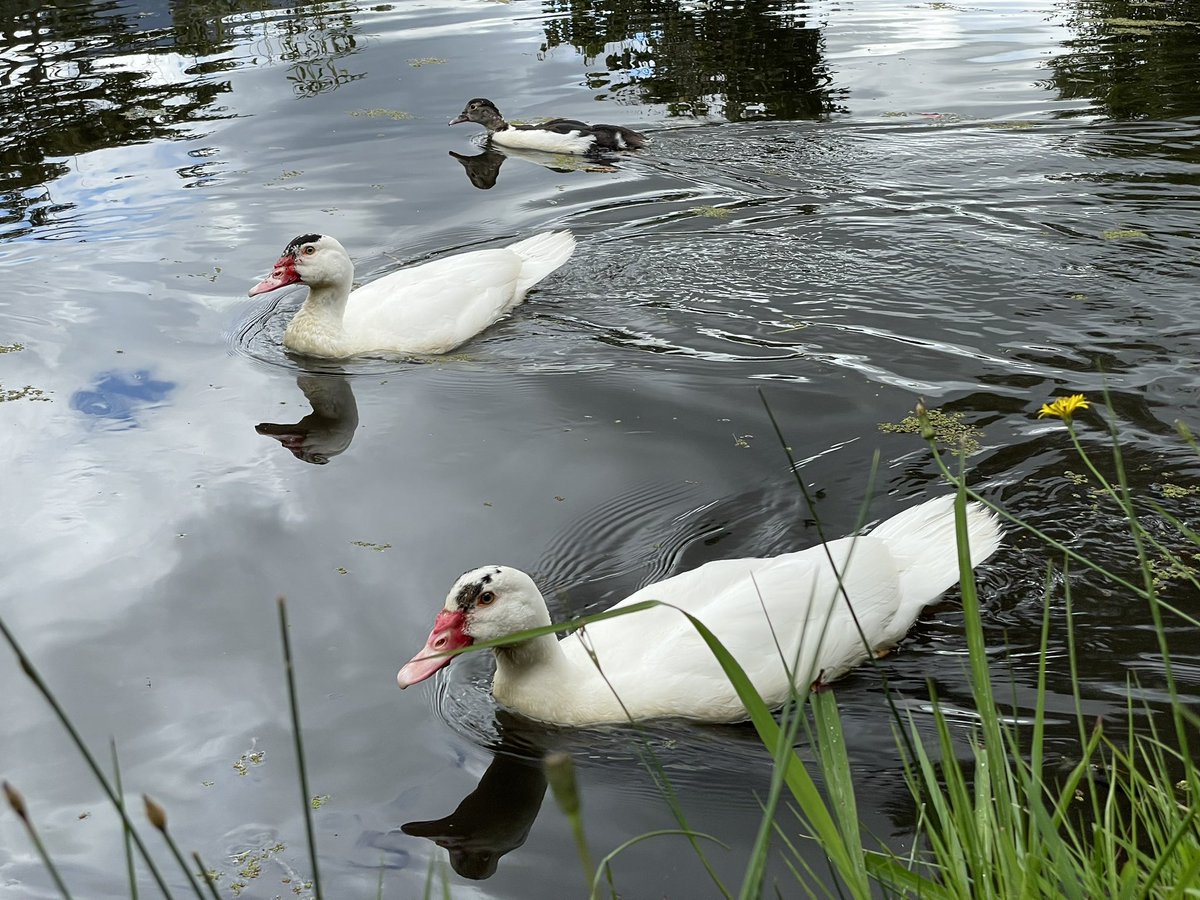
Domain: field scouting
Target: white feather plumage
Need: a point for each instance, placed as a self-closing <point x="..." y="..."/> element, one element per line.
<point x="430" y="308"/>
<point x="657" y="665"/>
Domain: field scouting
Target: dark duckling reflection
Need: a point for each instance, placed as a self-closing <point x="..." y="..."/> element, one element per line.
<point x="484" y="168"/>
<point x="492" y="820"/>
<point x="325" y="432"/>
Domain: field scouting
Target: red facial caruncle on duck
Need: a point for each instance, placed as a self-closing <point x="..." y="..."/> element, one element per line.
<point x="283" y="273"/>
<point x="449" y="633"/>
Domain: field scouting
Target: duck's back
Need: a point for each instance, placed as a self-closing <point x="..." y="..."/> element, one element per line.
<point x="556" y="136"/>
<point x="432" y="308"/>
<point x="764" y="611"/>
<point x="436" y="306"/>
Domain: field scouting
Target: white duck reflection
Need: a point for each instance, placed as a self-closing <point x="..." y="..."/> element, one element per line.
<point x="325" y="432"/>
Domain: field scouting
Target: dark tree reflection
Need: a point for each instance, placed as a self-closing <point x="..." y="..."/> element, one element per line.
<point x="84" y="75"/>
<point x="741" y="59"/>
<point x="1133" y="59"/>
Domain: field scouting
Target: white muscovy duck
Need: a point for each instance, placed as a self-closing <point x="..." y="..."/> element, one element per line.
<point x="553" y="136"/>
<point x="430" y="308"/>
<point x="657" y="664"/>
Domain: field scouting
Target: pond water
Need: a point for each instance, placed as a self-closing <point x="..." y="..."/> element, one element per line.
<point x="844" y="207"/>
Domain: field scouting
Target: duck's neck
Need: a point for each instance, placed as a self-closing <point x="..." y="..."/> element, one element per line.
<point x="530" y="668"/>
<point x="317" y="326"/>
<point x="496" y="123"/>
<point x="529" y="656"/>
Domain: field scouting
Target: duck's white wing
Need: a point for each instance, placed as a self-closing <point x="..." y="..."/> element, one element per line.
<point x="773" y="615"/>
<point x="434" y="307"/>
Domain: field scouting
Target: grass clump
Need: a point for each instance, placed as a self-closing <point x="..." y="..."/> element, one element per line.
<point x="1119" y="821"/>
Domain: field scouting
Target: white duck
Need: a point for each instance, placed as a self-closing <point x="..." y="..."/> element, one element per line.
<point x="657" y="664"/>
<point x="430" y="308"/>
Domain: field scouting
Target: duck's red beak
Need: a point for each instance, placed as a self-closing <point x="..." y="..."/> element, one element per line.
<point x="449" y="633"/>
<point x="284" y="273"/>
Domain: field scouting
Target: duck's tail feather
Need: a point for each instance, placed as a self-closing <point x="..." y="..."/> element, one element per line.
<point x="542" y="254"/>
<point x="633" y="140"/>
<point x="923" y="542"/>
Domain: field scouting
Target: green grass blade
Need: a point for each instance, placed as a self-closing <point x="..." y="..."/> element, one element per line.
<point x="560" y="775"/>
<point x="835" y="765"/>
<point x="158" y="818"/>
<point x="133" y="891"/>
<point x="32" y="673"/>
<point x="606" y="861"/>
<point x="298" y="739"/>
<point x="206" y="875"/>
<point x="17" y="803"/>
<point x="796" y="776"/>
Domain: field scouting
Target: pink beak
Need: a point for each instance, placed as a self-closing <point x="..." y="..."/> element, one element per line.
<point x="448" y="634"/>
<point x="284" y="273"/>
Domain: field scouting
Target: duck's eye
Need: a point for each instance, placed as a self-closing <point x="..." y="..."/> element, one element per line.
<point x="486" y="598"/>
<point x="309" y="250"/>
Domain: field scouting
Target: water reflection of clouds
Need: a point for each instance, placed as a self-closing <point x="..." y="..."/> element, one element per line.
<point x="119" y="396"/>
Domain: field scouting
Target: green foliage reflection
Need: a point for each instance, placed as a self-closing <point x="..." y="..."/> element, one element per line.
<point x="744" y="59"/>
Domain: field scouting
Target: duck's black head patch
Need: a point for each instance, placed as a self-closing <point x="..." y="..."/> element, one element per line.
<point x="483" y="101"/>
<point x="299" y="242"/>
<point x="469" y="593"/>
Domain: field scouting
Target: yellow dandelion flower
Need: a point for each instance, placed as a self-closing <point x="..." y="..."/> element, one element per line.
<point x="1063" y="407"/>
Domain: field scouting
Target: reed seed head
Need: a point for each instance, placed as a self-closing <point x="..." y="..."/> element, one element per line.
<point x="16" y="801"/>
<point x="155" y="813"/>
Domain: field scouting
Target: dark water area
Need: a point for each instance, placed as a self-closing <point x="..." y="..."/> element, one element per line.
<point x="843" y="206"/>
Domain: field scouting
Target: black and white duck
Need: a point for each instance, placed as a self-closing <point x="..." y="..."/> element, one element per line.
<point x="554" y="136"/>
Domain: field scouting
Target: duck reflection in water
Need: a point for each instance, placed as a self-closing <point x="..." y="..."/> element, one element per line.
<point x="328" y="429"/>
<point x="484" y="168"/>
<point x="492" y="820"/>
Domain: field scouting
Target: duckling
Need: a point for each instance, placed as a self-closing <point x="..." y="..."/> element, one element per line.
<point x="555" y="136"/>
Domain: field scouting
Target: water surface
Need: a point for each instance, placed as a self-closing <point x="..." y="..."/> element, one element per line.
<point x="844" y="207"/>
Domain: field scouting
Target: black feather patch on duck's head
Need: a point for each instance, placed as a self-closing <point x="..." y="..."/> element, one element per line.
<point x="469" y="593"/>
<point x="477" y="102"/>
<point x="299" y="242"/>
